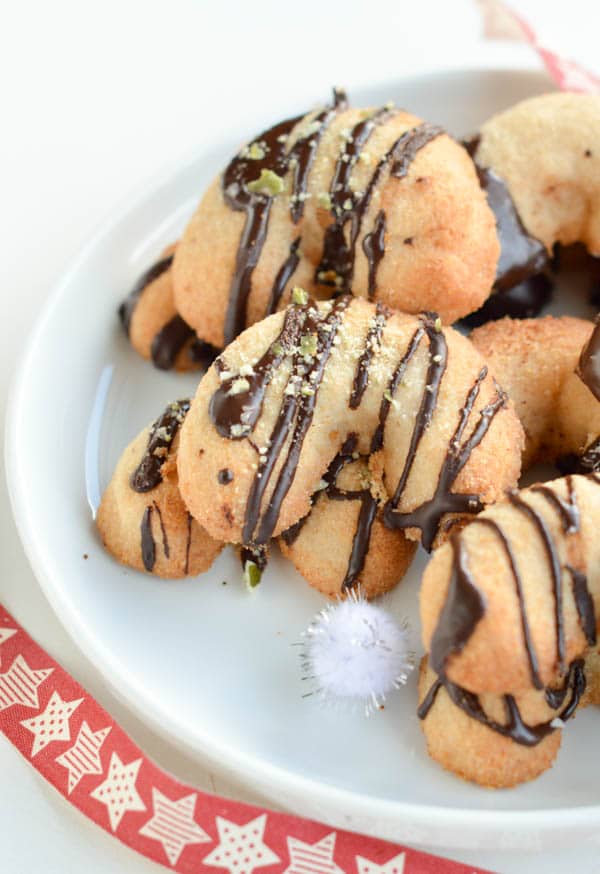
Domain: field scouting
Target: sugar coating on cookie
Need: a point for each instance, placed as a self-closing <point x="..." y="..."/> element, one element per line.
<point x="374" y="202"/>
<point x="154" y="327"/>
<point x="278" y="405"/>
<point x="546" y="150"/>
<point x="535" y="361"/>
<point x="142" y="519"/>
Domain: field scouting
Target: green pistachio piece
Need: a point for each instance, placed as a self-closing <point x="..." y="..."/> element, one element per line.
<point x="267" y="183"/>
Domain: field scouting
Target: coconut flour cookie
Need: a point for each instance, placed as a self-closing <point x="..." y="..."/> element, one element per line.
<point x="374" y="202"/>
<point x="154" y="327"/>
<point x="142" y="520"/>
<point x="279" y="404"/>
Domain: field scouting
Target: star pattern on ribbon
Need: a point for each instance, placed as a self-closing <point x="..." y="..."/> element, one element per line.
<point x="316" y="858"/>
<point x="6" y="634"/>
<point x="84" y="756"/>
<point x="173" y="825"/>
<point x="52" y="724"/>
<point x="394" y="866"/>
<point x="241" y="848"/>
<point x="118" y="791"/>
<point x="19" y="685"/>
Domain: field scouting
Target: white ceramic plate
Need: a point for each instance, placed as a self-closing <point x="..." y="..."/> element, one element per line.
<point x="208" y="664"/>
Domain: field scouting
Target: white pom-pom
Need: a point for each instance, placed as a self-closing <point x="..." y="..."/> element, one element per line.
<point x="356" y="651"/>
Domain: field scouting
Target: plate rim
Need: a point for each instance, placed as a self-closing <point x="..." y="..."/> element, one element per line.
<point x="433" y="824"/>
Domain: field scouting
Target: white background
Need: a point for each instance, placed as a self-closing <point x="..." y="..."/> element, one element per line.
<point x="95" y="98"/>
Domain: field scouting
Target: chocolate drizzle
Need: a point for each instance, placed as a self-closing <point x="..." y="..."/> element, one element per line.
<point x="147" y="474"/>
<point x="148" y="546"/>
<point x="285" y="273"/>
<point x="584" y="604"/>
<point x="294" y="419"/>
<point x="512" y="561"/>
<point x="366" y="516"/>
<point x="463" y="609"/>
<point x="438" y="357"/>
<point x="588" y="368"/>
<point x="236" y="406"/>
<point x="395" y="380"/>
<point x="169" y="342"/>
<point x="555" y="570"/>
<point x="374" y="248"/>
<point x="520" y="290"/>
<point x="428" y="515"/>
<point x="349" y="209"/>
<point x="372" y="342"/>
<point x="244" y="170"/>
<point x="186" y="567"/>
<point x="515" y="727"/>
<point x="165" y="539"/>
<point x="129" y="304"/>
<point x="566" y="509"/>
<point x="586" y="463"/>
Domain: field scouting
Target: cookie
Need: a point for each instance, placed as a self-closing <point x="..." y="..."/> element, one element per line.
<point x="154" y="327"/>
<point x="142" y="519"/>
<point x="372" y="202"/>
<point x="278" y="405"/>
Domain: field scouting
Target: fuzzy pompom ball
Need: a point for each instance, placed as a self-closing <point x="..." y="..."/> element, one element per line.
<point x="356" y="651"/>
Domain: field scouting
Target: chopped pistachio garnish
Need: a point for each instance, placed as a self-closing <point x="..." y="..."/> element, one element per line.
<point x="256" y="152"/>
<point x="246" y="370"/>
<point x="238" y="386"/>
<point x="299" y="296"/>
<point x="348" y="204"/>
<point x="307" y="391"/>
<point x="324" y="200"/>
<point x="239" y="430"/>
<point x="322" y="484"/>
<point x="437" y="359"/>
<point x="277" y="349"/>
<point x="225" y="374"/>
<point x="308" y="344"/>
<point x="290" y="389"/>
<point x="267" y="183"/>
<point x="388" y="396"/>
<point x="252" y="575"/>
<point x="437" y="325"/>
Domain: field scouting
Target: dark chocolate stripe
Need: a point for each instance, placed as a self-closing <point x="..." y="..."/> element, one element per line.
<point x="555" y="570"/>
<point x="241" y="172"/>
<point x="512" y="561"/>
<point x="129" y="304"/>
<point x="395" y="380"/>
<point x="567" y="510"/>
<point x="374" y="248"/>
<point x="186" y="568"/>
<point x="463" y="609"/>
<point x="515" y="727"/>
<point x="285" y="273"/>
<point x="428" y="515"/>
<point x="584" y="604"/>
<point x="165" y="539"/>
<point x="372" y="342"/>
<point x="169" y="342"/>
<point x="258" y="528"/>
<point x="147" y="474"/>
<point x="438" y="357"/>
<point x="339" y="246"/>
<point x="148" y="547"/>
<point x="242" y="409"/>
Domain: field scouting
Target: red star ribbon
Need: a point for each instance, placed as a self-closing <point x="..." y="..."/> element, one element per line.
<point x="81" y="751"/>
<point x="502" y="22"/>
